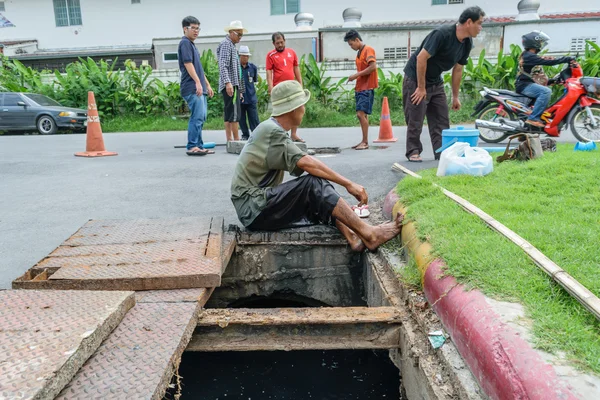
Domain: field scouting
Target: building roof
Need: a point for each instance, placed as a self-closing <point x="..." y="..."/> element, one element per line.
<point x="17" y="42"/>
<point x="85" y="52"/>
<point x="497" y="20"/>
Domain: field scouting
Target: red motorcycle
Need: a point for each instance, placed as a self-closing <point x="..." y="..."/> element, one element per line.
<point x="502" y="113"/>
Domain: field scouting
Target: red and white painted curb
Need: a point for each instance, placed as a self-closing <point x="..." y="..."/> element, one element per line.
<point x="503" y="363"/>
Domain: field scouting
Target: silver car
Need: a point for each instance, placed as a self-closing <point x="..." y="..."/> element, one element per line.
<point x="31" y="111"/>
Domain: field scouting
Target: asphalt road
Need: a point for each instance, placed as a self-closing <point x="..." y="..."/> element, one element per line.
<point x="47" y="193"/>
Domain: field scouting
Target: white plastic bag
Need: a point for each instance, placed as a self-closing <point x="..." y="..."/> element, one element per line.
<point x="460" y="158"/>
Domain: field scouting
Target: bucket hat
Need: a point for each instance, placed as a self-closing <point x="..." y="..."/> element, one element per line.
<point x="245" y="51"/>
<point x="236" y="26"/>
<point x="287" y="96"/>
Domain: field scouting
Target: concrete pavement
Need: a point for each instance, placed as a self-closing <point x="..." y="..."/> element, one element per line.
<point x="47" y="193"/>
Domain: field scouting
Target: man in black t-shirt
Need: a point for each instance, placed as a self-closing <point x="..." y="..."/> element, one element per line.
<point x="447" y="47"/>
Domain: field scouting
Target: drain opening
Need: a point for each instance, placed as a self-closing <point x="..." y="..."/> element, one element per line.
<point x="294" y="375"/>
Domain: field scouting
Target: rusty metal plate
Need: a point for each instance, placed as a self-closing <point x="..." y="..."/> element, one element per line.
<point x="138" y="359"/>
<point x="139" y="255"/>
<point x="199" y="295"/>
<point x="98" y="232"/>
<point x="46" y="336"/>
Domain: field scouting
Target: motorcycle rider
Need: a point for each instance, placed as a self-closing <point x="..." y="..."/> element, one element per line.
<point x="533" y="43"/>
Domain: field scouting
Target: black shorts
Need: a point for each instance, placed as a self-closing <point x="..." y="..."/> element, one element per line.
<point x="307" y="200"/>
<point x="233" y="105"/>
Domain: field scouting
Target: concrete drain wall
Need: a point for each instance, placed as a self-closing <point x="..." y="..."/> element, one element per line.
<point x="313" y="267"/>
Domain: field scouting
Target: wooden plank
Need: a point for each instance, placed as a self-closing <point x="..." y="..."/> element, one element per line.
<point x="296" y="337"/>
<point x="570" y="284"/>
<point x="299" y="316"/>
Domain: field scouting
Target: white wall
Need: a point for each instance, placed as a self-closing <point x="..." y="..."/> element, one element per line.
<point x="560" y="33"/>
<point x="120" y="23"/>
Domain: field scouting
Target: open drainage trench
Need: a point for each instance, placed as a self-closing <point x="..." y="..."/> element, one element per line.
<point x="298" y="316"/>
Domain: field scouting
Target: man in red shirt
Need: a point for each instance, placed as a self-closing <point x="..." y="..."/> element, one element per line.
<point x="282" y="65"/>
<point x="366" y="82"/>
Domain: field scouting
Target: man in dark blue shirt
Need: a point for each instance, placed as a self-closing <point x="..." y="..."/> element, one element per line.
<point x="194" y="86"/>
<point x="249" y="102"/>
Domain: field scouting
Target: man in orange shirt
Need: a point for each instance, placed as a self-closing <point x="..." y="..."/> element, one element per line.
<point x="282" y="65"/>
<point x="366" y="83"/>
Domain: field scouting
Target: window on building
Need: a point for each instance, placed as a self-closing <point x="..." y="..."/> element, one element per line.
<point x="170" y="57"/>
<point x="395" y="53"/>
<point x="67" y="12"/>
<point x="136" y="1"/>
<point x="439" y="2"/>
<point x="2" y="8"/>
<point x="578" y="44"/>
<point x="280" y="7"/>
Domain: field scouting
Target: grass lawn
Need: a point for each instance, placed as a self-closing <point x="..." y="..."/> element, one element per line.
<point x="316" y="116"/>
<point x="552" y="202"/>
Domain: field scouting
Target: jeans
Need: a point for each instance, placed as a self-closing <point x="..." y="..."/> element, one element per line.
<point x="198" y="106"/>
<point x="250" y="111"/>
<point x="542" y="96"/>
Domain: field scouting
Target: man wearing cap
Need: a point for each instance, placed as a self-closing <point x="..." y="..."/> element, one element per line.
<point x="282" y="65"/>
<point x="249" y="110"/>
<point x="263" y="202"/>
<point x="230" y="83"/>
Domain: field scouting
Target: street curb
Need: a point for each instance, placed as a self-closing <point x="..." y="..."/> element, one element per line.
<point x="504" y="364"/>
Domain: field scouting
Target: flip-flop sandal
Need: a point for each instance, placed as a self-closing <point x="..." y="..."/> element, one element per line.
<point x="415" y="159"/>
<point x="209" y="151"/>
<point x="299" y="140"/>
<point x="196" y="153"/>
<point x="362" y="212"/>
<point x="362" y="147"/>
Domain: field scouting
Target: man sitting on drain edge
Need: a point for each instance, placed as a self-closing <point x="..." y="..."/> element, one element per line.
<point x="263" y="202"/>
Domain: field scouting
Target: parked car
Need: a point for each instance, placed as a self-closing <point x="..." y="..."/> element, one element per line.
<point x="31" y="111"/>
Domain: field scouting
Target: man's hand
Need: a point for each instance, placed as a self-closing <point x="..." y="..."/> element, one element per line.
<point x="352" y="77"/>
<point x="270" y="89"/>
<point x="456" y="104"/>
<point x="210" y="91"/>
<point x="417" y="97"/>
<point x="359" y="193"/>
<point x="229" y="89"/>
<point x="199" y="90"/>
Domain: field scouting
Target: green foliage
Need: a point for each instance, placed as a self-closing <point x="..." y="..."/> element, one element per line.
<point x="591" y="61"/>
<point x="211" y="70"/>
<point x="321" y="87"/>
<point x="390" y="87"/>
<point x="262" y="94"/>
<point x="82" y="76"/>
<point x="15" y="77"/>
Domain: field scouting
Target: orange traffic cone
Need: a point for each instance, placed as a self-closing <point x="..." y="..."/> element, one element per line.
<point x="94" y="146"/>
<point x="385" y="124"/>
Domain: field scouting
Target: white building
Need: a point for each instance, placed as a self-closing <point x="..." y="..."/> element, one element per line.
<point x="51" y="32"/>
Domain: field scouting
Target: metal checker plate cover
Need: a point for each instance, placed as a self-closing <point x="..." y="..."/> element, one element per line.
<point x="142" y="251"/>
<point x="46" y="336"/>
<point x="138" y="359"/>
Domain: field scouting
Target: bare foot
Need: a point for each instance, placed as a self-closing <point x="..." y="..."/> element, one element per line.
<point x="385" y="232"/>
<point x="356" y="244"/>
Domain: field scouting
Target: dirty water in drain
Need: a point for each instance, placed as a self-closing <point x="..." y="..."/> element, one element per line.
<point x="294" y="375"/>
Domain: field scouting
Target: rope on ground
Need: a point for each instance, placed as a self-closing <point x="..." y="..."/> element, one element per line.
<point x="570" y="284"/>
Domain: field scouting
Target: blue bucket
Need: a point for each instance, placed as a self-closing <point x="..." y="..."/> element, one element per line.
<point x="459" y="134"/>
